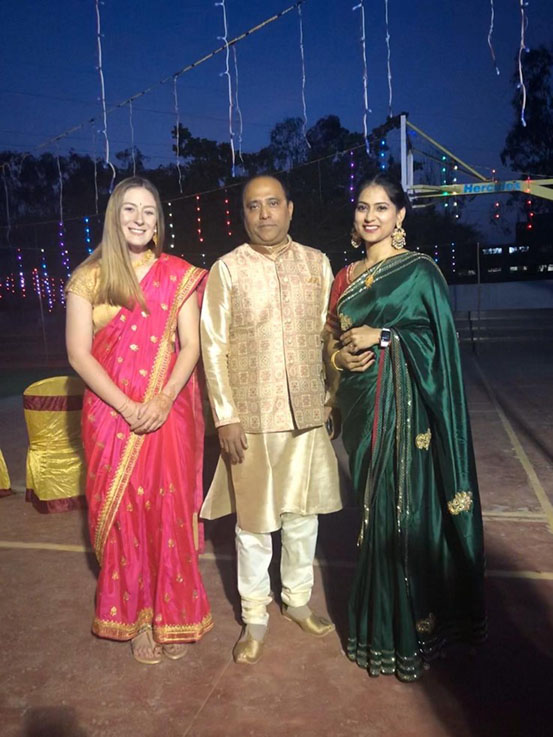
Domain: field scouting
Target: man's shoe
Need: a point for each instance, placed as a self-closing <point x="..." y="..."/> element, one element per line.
<point x="313" y="624"/>
<point x="248" y="650"/>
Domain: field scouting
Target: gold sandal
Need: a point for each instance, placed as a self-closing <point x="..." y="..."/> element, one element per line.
<point x="155" y="650"/>
<point x="175" y="651"/>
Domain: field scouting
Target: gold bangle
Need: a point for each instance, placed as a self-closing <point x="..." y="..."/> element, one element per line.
<point x="333" y="360"/>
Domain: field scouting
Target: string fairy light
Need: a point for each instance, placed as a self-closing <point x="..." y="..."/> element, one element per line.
<point x="228" y="222"/>
<point x="529" y="206"/>
<point x="302" y="56"/>
<point x="237" y="104"/>
<point x="46" y="281"/>
<point x="490" y="33"/>
<point x="171" y="226"/>
<point x="388" y="61"/>
<point x="454" y="181"/>
<point x="382" y="154"/>
<point x="21" y="274"/>
<point x="366" y="109"/>
<point x="523" y="47"/>
<point x="177" y="129"/>
<point x="103" y="93"/>
<point x="199" y="219"/>
<point x="87" y="238"/>
<point x="61" y="231"/>
<point x="226" y="73"/>
<point x="351" y="187"/>
<point x="443" y="172"/>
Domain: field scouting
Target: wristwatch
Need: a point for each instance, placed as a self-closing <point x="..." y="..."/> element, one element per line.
<point x="385" y="337"/>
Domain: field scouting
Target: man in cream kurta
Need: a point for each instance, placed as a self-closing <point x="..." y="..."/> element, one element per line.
<point x="262" y="321"/>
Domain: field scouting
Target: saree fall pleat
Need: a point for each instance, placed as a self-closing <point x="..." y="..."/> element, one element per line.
<point x="144" y="491"/>
<point x="418" y="582"/>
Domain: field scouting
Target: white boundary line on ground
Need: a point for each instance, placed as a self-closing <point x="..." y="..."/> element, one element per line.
<point x="525" y="462"/>
<point x="14" y="545"/>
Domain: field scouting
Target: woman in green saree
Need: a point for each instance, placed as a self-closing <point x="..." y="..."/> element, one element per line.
<point x="418" y="583"/>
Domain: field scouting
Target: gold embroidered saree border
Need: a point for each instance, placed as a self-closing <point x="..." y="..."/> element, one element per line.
<point x="162" y="633"/>
<point x="135" y="442"/>
<point x="395" y="264"/>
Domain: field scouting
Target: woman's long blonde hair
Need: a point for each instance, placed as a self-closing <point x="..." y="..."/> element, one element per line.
<point x="118" y="283"/>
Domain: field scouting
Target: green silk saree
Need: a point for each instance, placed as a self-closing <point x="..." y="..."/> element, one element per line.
<point x="418" y="582"/>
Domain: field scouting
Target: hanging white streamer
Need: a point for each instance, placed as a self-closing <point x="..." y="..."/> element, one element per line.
<point x="95" y="170"/>
<point x="523" y="26"/>
<point x="132" y="140"/>
<point x="367" y="110"/>
<point x="238" y="111"/>
<point x="177" y="128"/>
<point x="224" y="39"/>
<point x="103" y="92"/>
<point x="490" y="33"/>
<point x="389" y="64"/>
<point x="302" y="54"/>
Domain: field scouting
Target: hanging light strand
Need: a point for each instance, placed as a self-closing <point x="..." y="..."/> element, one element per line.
<point x="523" y="26"/>
<point x="302" y="55"/>
<point x="226" y="73"/>
<point x="177" y="128"/>
<point x="95" y="171"/>
<point x="237" y="103"/>
<point x="132" y="140"/>
<point x="61" y="231"/>
<point x="389" y="60"/>
<point x="103" y="93"/>
<point x="490" y="34"/>
<point x="366" y="110"/>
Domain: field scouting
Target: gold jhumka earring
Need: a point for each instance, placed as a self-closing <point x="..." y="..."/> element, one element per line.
<point x="398" y="238"/>
<point x="355" y="238"/>
<point x="154" y="238"/>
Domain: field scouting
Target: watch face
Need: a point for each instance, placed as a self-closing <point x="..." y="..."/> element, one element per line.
<point x="385" y="337"/>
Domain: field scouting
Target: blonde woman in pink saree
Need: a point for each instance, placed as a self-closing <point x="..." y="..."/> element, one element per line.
<point x="132" y="335"/>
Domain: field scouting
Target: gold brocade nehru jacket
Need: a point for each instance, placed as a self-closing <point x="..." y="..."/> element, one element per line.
<point x="262" y="324"/>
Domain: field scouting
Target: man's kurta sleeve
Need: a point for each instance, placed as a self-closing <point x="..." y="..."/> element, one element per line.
<point x="215" y="327"/>
<point x="332" y="378"/>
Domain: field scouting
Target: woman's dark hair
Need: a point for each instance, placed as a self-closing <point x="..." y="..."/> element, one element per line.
<point x="392" y="187"/>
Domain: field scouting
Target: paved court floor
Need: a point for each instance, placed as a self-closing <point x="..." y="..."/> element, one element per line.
<point x="59" y="681"/>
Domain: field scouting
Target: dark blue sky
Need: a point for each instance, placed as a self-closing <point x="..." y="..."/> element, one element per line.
<point x="441" y="68"/>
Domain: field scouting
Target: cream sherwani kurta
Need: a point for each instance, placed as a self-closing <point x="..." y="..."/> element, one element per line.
<point x="263" y="316"/>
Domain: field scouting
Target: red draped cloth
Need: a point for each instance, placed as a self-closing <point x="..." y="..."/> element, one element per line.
<point x="144" y="491"/>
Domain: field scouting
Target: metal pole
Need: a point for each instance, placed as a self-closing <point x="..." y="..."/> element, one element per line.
<point x="478" y="295"/>
<point x="403" y="133"/>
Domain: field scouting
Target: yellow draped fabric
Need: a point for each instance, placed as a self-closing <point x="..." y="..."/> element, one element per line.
<point x="5" y="485"/>
<point x="55" y="461"/>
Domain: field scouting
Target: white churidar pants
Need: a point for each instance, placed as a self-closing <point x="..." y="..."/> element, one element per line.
<point x="254" y="552"/>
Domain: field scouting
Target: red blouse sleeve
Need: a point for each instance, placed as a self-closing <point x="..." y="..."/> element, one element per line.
<point x="338" y="287"/>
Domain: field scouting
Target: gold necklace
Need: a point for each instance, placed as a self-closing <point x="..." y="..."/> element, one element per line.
<point x="369" y="280"/>
<point x="145" y="259"/>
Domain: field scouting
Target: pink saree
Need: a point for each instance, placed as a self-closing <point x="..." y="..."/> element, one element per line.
<point x="144" y="491"/>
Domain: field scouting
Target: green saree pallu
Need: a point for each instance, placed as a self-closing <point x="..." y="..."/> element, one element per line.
<point x="418" y="582"/>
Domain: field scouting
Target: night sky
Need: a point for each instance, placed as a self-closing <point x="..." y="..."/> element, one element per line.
<point x="442" y="72"/>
